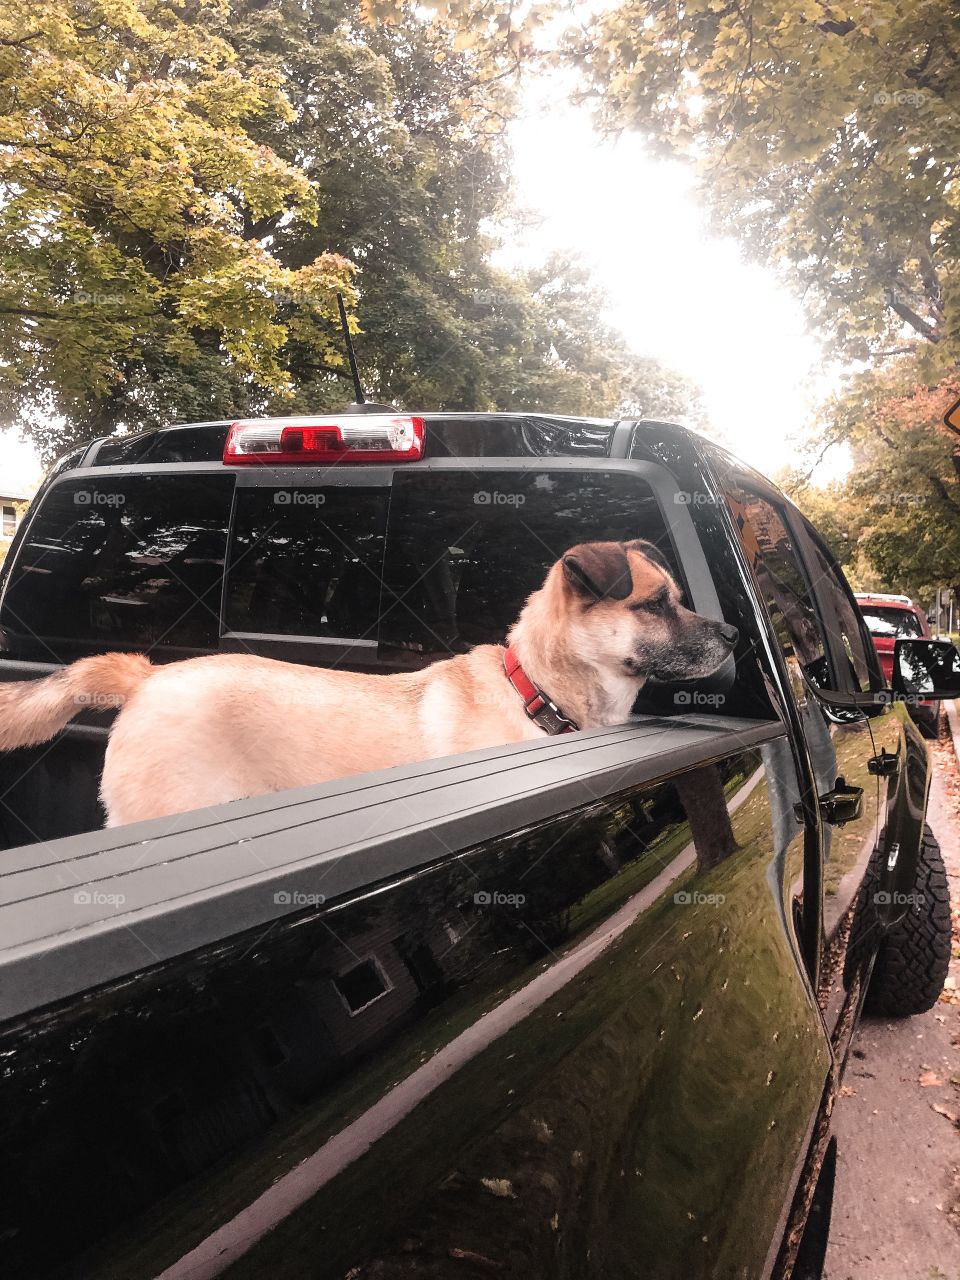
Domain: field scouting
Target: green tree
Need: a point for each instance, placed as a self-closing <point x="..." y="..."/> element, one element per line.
<point x="826" y="137"/>
<point x="398" y="127"/>
<point x="134" y="272"/>
<point x="895" y="520"/>
<point x="186" y="184"/>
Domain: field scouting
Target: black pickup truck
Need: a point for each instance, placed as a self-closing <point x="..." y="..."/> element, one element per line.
<point x="575" y="1008"/>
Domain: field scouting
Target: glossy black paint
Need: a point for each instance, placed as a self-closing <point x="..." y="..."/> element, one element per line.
<point x="554" y="1073"/>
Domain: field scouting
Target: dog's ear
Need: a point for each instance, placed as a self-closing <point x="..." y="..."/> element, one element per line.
<point x="651" y="552"/>
<point x="598" y="570"/>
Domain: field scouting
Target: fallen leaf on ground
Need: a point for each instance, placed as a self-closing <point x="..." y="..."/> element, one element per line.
<point x="468" y="1255"/>
<point x="943" y="1111"/>
<point x="927" y="1078"/>
<point x="502" y="1187"/>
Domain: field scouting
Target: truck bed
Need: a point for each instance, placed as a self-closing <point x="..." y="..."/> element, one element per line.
<point x="90" y="910"/>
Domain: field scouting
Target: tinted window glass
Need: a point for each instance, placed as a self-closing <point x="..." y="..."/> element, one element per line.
<point x="695" y="501"/>
<point x="465" y="551"/>
<point x="121" y="562"/>
<point x="891" y="622"/>
<point x="307" y="561"/>
<point x="841" y="616"/>
<point x="775" y="561"/>
<point x="179" y="444"/>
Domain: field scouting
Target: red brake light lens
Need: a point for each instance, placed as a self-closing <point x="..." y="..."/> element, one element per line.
<point x="315" y="441"/>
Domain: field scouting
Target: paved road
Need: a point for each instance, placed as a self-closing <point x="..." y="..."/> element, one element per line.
<point x="897" y="1206"/>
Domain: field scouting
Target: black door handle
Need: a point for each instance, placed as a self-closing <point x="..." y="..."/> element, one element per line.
<point x="841" y="805"/>
<point x="884" y="765"/>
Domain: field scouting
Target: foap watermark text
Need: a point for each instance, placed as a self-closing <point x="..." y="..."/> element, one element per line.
<point x="694" y="898"/>
<point x="298" y="498"/>
<point x="296" y="898"/>
<point x="484" y="498"/>
<point x="494" y="898"/>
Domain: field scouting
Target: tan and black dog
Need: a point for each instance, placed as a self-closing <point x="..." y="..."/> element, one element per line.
<point x="208" y="730"/>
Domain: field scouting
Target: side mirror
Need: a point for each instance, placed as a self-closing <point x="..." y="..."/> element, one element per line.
<point x="922" y="669"/>
<point x="926" y="669"/>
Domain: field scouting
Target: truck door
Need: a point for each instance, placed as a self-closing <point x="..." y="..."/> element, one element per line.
<point x="822" y="643"/>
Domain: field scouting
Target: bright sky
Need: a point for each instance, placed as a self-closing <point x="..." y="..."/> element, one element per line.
<point x="19" y="465"/>
<point x="675" y="291"/>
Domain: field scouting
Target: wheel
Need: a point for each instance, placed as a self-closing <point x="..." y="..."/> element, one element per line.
<point x="914" y="955"/>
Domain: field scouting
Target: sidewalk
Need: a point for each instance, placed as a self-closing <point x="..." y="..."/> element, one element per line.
<point x="896" y="1213"/>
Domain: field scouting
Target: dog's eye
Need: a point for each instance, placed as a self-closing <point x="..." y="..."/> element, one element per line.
<point x="657" y="603"/>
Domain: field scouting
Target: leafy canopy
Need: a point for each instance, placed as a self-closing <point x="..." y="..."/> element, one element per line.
<point x="826" y="138"/>
<point x="894" y="522"/>
<point x="184" y="184"/>
<point x="131" y="201"/>
<point x="399" y="128"/>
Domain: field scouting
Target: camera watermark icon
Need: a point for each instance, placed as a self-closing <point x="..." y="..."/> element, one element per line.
<point x="884" y="899"/>
<point x="298" y="498"/>
<point x="899" y="98"/>
<point x="98" y="498"/>
<point x="295" y="898"/>
<point x="493" y="898"/>
<point x="684" y="499"/>
<point x="694" y="898"/>
<point x="484" y="498"/>
<point x="96" y="898"/>
<point x="697" y="698"/>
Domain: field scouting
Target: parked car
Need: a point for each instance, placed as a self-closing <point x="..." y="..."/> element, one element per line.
<point x="572" y="1008"/>
<point x="893" y="617"/>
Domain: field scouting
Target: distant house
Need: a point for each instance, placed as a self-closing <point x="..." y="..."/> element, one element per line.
<point x="13" y="503"/>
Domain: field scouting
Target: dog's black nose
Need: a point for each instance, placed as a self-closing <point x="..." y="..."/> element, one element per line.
<point x="729" y="633"/>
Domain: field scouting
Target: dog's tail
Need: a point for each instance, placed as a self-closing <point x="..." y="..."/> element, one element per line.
<point x="33" y="711"/>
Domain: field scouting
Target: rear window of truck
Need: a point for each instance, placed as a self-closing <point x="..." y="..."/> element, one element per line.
<point x="465" y="551"/>
<point x="120" y="562"/>
<point x="440" y="562"/>
<point x="307" y="561"/>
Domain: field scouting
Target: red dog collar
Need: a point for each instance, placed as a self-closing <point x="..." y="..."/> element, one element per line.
<point x="545" y="714"/>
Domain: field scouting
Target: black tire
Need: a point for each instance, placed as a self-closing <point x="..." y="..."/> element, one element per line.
<point x="914" y="957"/>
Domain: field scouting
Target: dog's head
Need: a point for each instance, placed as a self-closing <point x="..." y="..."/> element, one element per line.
<point x="623" y="614"/>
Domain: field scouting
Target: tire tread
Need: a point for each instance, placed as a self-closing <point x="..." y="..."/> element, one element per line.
<point x="914" y="957"/>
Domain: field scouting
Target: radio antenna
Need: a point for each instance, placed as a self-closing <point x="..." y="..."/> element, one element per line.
<point x="351" y="355"/>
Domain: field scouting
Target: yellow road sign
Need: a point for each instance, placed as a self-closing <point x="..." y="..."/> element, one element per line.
<point x="952" y="417"/>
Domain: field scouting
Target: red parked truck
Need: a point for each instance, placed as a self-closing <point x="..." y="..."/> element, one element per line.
<point x="890" y="618"/>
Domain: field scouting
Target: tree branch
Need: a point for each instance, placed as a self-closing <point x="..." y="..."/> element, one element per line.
<point x="913" y="319"/>
<point x="15" y="44"/>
